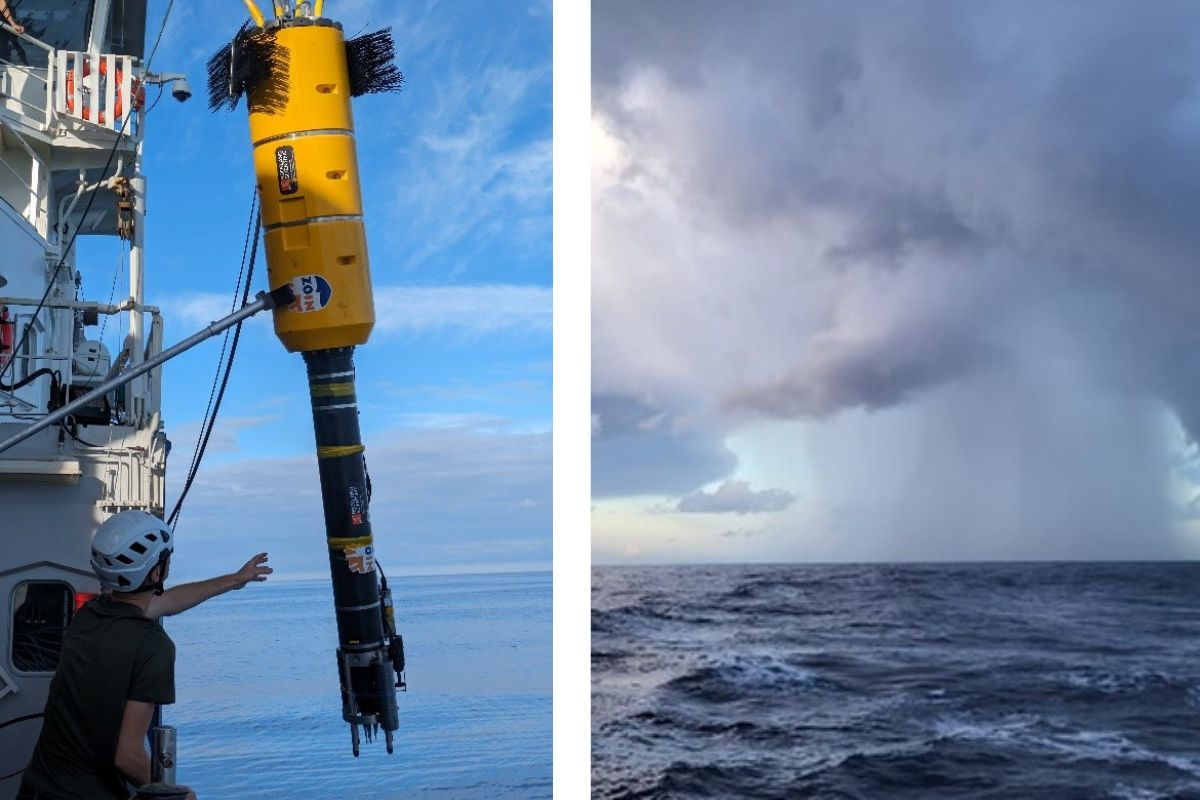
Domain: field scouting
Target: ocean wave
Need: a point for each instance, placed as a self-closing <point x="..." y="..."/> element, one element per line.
<point x="1133" y="682"/>
<point x="1031" y="733"/>
<point x="744" y="677"/>
<point x="622" y="618"/>
<point x="991" y="681"/>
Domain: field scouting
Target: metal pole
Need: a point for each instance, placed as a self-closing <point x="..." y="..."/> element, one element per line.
<point x="281" y="296"/>
<point x="162" y="762"/>
<point x="137" y="343"/>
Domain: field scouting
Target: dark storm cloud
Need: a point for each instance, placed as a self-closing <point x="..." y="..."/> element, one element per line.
<point x="803" y="209"/>
<point x="1059" y="134"/>
<point x="639" y="449"/>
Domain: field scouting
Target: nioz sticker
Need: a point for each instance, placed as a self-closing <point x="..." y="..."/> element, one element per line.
<point x="312" y="293"/>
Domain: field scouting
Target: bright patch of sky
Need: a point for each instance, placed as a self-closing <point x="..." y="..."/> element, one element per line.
<point x="454" y="385"/>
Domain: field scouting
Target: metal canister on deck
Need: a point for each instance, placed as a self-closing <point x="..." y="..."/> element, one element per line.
<point x="162" y="762"/>
<point x="162" y="768"/>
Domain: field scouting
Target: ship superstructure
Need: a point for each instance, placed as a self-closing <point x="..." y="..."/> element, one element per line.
<point x="72" y="89"/>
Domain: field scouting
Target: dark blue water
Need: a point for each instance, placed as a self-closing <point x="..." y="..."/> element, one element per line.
<point x="889" y="681"/>
<point x="259" y="714"/>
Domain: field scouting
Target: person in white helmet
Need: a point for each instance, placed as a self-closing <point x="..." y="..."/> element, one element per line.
<point x="116" y="665"/>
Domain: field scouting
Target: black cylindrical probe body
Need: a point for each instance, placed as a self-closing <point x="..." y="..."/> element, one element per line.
<point x="369" y="691"/>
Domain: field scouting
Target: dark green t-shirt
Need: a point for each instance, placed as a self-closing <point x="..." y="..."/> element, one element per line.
<point x="111" y="654"/>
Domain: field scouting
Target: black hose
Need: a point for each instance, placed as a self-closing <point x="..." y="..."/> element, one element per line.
<point x="15" y="720"/>
<point x="28" y="379"/>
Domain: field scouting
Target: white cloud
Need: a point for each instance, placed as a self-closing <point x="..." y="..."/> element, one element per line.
<point x="469" y="311"/>
<point x="440" y="495"/>
<point x="466" y="311"/>
<point x="194" y="310"/>
<point x="223" y="439"/>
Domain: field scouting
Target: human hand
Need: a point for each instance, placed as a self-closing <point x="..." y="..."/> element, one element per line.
<point x="18" y="28"/>
<point x="254" y="570"/>
<point x="190" y="795"/>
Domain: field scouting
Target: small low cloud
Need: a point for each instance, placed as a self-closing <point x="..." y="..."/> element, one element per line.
<point x="224" y="436"/>
<point x="197" y="309"/>
<point x="735" y="497"/>
<point x="740" y="533"/>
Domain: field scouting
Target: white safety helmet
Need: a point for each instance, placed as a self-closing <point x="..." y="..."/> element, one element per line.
<point x="127" y="547"/>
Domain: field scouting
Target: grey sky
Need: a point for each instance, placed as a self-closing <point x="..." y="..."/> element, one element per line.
<point x="965" y="228"/>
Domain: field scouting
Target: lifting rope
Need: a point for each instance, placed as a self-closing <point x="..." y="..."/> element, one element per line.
<point x="209" y="421"/>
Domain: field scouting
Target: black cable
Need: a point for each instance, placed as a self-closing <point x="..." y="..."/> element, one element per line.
<point x="157" y="97"/>
<point x="63" y="424"/>
<point x="28" y="379"/>
<point x="91" y="198"/>
<point x="251" y="224"/>
<point x="158" y="38"/>
<point x="237" y="332"/>
<point x="367" y="475"/>
<point x="14" y="721"/>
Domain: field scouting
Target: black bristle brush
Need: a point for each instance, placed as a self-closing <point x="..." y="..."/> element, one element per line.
<point x="369" y="59"/>
<point x="253" y="64"/>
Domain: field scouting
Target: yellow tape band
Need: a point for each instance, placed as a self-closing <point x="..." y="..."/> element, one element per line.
<point x="331" y="389"/>
<point x="341" y="542"/>
<point x="339" y="450"/>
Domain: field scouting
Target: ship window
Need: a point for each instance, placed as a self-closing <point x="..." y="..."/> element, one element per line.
<point x="28" y="344"/>
<point x="41" y="612"/>
<point x="127" y="27"/>
<point x="62" y="24"/>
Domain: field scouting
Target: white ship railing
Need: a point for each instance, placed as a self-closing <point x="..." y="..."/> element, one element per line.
<point x="79" y="86"/>
<point x="38" y="192"/>
<point x="99" y="88"/>
<point x="46" y="109"/>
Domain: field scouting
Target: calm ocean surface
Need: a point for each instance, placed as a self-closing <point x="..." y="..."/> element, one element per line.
<point x="917" y="681"/>
<point x="259" y="715"/>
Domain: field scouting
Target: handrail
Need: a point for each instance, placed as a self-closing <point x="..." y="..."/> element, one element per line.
<point x="8" y="166"/>
<point x="33" y="41"/>
<point x="35" y="196"/>
<point x="23" y="68"/>
<point x="49" y="79"/>
<point x="107" y="309"/>
<point x="22" y="223"/>
<point x="19" y="101"/>
<point x="280" y="297"/>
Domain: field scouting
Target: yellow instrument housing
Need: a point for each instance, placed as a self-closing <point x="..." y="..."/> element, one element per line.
<point x="306" y="166"/>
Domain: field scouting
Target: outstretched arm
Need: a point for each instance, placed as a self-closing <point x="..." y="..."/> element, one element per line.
<point x="181" y="598"/>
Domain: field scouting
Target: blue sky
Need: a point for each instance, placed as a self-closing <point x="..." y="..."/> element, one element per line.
<point x="455" y="383"/>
